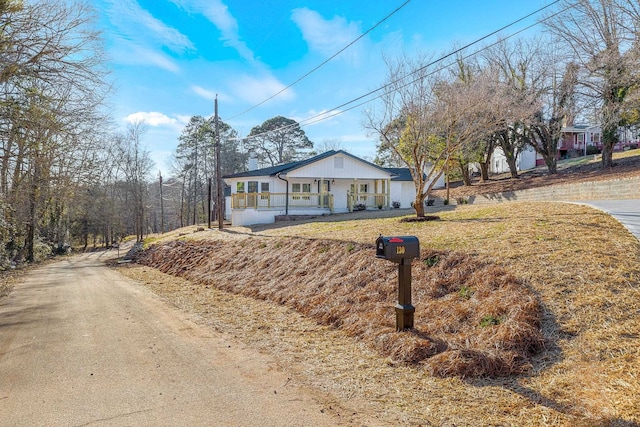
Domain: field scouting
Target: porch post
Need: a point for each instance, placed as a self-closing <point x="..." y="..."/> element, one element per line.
<point x="388" y="193"/>
<point x="356" y="191"/>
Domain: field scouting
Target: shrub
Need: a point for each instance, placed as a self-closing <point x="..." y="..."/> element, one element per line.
<point x="395" y="204"/>
<point x="591" y="150"/>
<point x="41" y="250"/>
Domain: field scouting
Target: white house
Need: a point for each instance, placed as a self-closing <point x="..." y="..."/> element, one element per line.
<point x="525" y="160"/>
<point x="331" y="182"/>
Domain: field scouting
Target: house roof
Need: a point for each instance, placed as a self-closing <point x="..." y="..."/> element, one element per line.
<point x="288" y="167"/>
<point x="578" y="128"/>
<point x="402" y="174"/>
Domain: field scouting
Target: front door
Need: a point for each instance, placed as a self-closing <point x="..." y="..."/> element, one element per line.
<point x="324" y="186"/>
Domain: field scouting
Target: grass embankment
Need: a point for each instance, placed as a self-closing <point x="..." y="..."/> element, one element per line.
<point x="481" y="321"/>
<point x="580" y="264"/>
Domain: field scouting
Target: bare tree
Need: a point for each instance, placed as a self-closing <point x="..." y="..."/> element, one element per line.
<point x="545" y="129"/>
<point x="521" y="77"/>
<point x="602" y="37"/>
<point x="52" y="84"/>
<point x="136" y="166"/>
<point x="403" y="121"/>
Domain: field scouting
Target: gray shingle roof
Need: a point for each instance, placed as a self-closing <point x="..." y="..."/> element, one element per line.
<point x="287" y="167"/>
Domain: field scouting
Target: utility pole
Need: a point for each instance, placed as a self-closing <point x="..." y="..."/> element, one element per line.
<point x="161" y="205"/>
<point x="209" y="205"/>
<point x="218" y="173"/>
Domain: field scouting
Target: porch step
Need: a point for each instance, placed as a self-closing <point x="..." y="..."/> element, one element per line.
<point x="296" y="217"/>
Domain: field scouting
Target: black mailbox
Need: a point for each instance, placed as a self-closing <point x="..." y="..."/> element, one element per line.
<point x="397" y="248"/>
<point x="401" y="249"/>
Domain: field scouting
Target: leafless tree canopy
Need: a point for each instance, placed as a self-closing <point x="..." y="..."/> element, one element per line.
<point x="52" y="89"/>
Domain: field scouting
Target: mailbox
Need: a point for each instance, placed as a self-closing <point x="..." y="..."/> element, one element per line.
<point x="401" y="249"/>
<point x="397" y="248"/>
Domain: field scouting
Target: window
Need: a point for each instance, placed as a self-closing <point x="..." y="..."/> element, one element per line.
<point x="364" y="188"/>
<point x="264" y="188"/>
<point x="240" y="187"/>
<point x="253" y="186"/>
<point x="300" y="188"/>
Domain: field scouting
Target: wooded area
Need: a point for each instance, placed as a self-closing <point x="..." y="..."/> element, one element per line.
<point x="67" y="178"/>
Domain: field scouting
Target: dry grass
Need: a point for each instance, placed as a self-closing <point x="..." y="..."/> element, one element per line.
<point x="481" y="322"/>
<point x="580" y="264"/>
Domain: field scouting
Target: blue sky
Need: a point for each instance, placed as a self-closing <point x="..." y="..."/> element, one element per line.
<point x="171" y="57"/>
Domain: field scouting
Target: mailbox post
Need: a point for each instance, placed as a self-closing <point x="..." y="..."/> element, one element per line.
<point x="402" y="250"/>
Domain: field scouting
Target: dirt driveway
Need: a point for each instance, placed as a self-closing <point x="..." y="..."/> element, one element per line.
<point x="81" y="345"/>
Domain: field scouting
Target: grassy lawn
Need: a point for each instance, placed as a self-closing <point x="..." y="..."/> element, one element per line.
<point x="581" y="265"/>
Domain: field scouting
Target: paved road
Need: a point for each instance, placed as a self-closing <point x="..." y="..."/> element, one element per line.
<point x="81" y="345"/>
<point x="625" y="211"/>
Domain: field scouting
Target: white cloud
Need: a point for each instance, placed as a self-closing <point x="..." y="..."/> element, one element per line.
<point x="327" y="36"/>
<point x="183" y="120"/>
<point x="218" y="14"/>
<point x="204" y="93"/>
<point x="139" y="26"/>
<point x="127" y="53"/>
<point x="257" y="89"/>
<point x="152" y="118"/>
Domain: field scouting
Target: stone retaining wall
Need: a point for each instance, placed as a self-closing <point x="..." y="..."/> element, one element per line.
<point x="623" y="188"/>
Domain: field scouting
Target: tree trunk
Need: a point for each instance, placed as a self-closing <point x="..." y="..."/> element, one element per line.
<point x="484" y="171"/>
<point x="511" y="162"/>
<point x="418" y="204"/>
<point x="552" y="165"/>
<point x="466" y="175"/>
<point x="607" y="155"/>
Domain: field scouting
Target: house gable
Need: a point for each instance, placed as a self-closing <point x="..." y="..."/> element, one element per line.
<point x="340" y="164"/>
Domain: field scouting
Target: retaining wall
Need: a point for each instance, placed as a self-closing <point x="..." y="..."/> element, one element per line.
<point x="623" y="188"/>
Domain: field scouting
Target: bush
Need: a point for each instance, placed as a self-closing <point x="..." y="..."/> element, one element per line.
<point x="395" y="205"/>
<point x="41" y="251"/>
<point x="359" y="207"/>
<point x="591" y="150"/>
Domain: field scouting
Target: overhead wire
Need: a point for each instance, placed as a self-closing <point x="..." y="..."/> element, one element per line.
<point x="307" y="74"/>
<point x="321" y="117"/>
<point x="339" y="109"/>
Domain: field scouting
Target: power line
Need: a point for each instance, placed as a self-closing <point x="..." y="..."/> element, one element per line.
<point x="320" y="117"/>
<point x="324" y="62"/>
<point x="324" y="116"/>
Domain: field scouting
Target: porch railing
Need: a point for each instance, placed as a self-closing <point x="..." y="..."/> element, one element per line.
<point x="278" y="200"/>
<point x="368" y="200"/>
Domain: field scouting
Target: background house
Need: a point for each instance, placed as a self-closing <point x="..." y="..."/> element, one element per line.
<point x="525" y="160"/>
